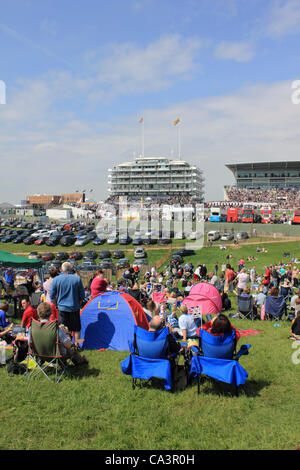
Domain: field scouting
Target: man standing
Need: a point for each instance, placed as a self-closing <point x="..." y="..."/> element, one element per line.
<point x="67" y="293"/>
<point x="29" y="312"/>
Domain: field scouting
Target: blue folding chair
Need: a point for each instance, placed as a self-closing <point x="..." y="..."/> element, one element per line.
<point x="275" y="307"/>
<point x="150" y="357"/>
<point x="217" y="358"/>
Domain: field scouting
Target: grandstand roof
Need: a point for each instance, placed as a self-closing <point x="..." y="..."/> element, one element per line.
<point x="287" y="165"/>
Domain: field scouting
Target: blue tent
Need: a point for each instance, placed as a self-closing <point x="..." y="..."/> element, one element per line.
<point x="107" y="321"/>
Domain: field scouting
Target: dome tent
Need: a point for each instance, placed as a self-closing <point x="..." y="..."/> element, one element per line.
<point x="206" y="297"/>
<point x="107" y="321"/>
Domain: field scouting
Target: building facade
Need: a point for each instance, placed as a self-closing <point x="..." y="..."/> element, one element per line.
<point x="266" y="175"/>
<point x="157" y="178"/>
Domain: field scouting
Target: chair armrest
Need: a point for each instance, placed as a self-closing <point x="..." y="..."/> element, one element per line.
<point x="243" y="351"/>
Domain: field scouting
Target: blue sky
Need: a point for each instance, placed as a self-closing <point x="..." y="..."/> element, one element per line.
<point x="79" y="75"/>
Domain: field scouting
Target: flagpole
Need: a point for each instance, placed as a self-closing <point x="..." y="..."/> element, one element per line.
<point x="179" y="143"/>
<point x="143" y="139"/>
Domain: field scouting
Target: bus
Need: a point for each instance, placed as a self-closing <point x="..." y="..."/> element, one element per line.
<point x="266" y="215"/>
<point x="234" y="214"/>
<point x="218" y="214"/>
<point x="296" y="217"/>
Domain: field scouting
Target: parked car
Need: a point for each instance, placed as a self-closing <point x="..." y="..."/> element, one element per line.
<point x="137" y="241"/>
<point x="242" y="235"/>
<point x="140" y="253"/>
<point x="140" y="262"/>
<point x="104" y="254"/>
<point x="149" y="241"/>
<point x="34" y="255"/>
<point x="99" y="241"/>
<point x="113" y="239"/>
<point x="118" y="254"/>
<point x="48" y="256"/>
<point x="62" y="256"/>
<point x="164" y="241"/>
<point x="125" y="240"/>
<point x="90" y="254"/>
<point x="227" y="237"/>
<point x="29" y="241"/>
<point x="76" y="255"/>
<point x="53" y="240"/>
<point x="122" y="263"/>
<point x="67" y="240"/>
<point x="213" y="235"/>
<point x="184" y="252"/>
<point x="107" y="265"/>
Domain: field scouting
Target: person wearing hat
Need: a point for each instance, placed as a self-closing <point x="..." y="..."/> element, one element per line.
<point x="187" y="325"/>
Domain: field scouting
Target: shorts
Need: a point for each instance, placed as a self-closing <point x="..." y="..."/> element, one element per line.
<point x="70" y="319"/>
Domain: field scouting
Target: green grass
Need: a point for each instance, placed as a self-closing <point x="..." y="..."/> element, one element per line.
<point x="96" y="408"/>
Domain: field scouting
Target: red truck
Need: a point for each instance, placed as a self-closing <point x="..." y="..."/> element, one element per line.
<point x="296" y="217"/>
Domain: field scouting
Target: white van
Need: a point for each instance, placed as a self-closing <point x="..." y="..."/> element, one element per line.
<point x="213" y="235"/>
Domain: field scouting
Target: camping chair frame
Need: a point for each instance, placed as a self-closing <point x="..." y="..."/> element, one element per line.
<point x="44" y="361"/>
<point x="197" y="351"/>
<point x="245" y="314"/>
<point x="283" y="312"/>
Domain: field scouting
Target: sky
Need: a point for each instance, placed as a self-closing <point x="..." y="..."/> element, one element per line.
<point x="77" y="76"/>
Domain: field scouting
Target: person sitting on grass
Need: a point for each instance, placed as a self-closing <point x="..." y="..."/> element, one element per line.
<point x="67" y="349"/>
<point x="3" y="311"/>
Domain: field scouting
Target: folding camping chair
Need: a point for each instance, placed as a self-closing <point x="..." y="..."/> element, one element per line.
<point x="245" y="306"/>
<point x="44" y="350"/>
<point x="217" y="358"/>
<point x="150" y="357"/>
<point x="275" y="307"/>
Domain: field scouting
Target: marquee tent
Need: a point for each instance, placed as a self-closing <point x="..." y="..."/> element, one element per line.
<point x="107" y="321"/>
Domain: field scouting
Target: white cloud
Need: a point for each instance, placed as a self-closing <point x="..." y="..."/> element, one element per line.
<point x="283" y="18"/>
<point x="128" y="68"/>
<point x="237" y="51"/>
<point x="43" y="150"/>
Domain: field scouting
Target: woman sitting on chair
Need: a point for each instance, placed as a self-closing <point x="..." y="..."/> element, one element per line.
<point x="220" y="325"/>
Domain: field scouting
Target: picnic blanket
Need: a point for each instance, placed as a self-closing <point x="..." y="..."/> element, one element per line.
<point x="250" y="332"/>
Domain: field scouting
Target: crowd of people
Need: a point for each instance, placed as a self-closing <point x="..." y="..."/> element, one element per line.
<point x="284" y="198"/>
<point x="160" y="293"/>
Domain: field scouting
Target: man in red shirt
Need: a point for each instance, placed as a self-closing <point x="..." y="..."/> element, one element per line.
<point x="29" y="312"/>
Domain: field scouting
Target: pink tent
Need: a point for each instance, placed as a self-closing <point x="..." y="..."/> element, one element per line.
<point x="205" y="296"/>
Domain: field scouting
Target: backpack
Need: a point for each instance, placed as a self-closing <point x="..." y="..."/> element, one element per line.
<point x="15" y="368"/>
